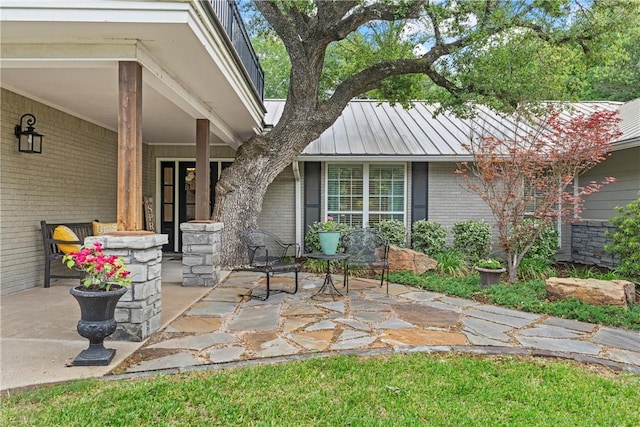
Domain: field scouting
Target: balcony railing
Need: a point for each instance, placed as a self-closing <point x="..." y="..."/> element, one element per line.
<point x="229" y="16"/>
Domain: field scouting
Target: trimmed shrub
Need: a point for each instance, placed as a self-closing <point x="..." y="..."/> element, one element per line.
<point x="311" y="241"/>
<point x="626" y="239"/>
<point x="545" y="247"/>
<point x="394" y="231"/>
<point x="428" y="237"/>
<point x="472" y="239"/>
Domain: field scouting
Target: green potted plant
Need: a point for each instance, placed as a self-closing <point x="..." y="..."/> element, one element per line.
<point x="329" y="236"/>
<point x="106" y="280"/>
<point x="490" y="271"/>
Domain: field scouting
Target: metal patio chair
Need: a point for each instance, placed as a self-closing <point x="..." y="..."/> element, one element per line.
<point x="270" y="255"/>
<point x="366" y="247"/>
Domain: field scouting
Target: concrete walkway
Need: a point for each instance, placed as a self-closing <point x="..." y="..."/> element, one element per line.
<point x="227" y="328"/>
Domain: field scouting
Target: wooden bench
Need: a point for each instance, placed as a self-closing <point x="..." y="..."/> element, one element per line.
<point x="53" y="254"/>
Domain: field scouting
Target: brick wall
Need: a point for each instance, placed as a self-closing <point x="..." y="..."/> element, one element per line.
<point x="451" y="202"/>
<point x="74" y="180"/>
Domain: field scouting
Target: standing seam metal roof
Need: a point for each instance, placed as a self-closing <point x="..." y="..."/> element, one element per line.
<point x="371" y="128"/>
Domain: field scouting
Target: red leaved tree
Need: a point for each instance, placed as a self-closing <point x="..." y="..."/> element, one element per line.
<point x="530" y="174"/>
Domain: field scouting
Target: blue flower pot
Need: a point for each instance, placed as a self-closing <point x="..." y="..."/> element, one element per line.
<point x="329" y="241"/>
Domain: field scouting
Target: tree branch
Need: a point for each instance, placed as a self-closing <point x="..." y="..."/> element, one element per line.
<point x="281" y="24"/>
<point x="373" y="12"/>
<point x="371" y="77"/>
<point x="332" y="11"/>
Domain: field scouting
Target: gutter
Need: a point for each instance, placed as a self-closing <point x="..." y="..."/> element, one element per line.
<point x="298" y="203"/>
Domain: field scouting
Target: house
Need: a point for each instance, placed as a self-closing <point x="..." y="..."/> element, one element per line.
<point x="129" y="96"/>
<point x="384" y="162"/>
<point x="134" y="98"/>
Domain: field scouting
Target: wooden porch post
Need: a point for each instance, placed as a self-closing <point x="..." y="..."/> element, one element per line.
<point x="203" y="171"/>
<point x="129" y="202"/>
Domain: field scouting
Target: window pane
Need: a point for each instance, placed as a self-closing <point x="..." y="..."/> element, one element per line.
<point x="388" y="183"/>
<point x="168" y="213"/>
<point x="333" y="203"/>
<point x="354" y="220"/>
<point x="398" y="204"/>
<point x="344" y="192"/>
<point x="168" y="194"/>
<point x="167" y="176"/>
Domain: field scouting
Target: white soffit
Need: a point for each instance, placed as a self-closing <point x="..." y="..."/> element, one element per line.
<point x="51" y="48"/>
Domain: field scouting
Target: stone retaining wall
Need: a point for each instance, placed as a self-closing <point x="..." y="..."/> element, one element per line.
<point x="587" y="243"/>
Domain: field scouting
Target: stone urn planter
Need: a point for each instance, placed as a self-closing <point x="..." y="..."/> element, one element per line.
<point x="490" y="276"/>
<point x="490" y="271"/>
<point x="97" y="321"/>
<point x="104" y="282"/>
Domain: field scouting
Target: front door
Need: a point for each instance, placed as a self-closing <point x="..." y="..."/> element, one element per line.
<point x="178" y="194"/>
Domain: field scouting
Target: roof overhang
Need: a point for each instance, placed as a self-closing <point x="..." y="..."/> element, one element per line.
<point x="66" y="55"/>
<point x="625" y="144"/>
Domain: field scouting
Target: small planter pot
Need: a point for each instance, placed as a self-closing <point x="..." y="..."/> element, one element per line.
<point x="490" y="276"/>
<point x="329" y="241"/>
<point x="97" y="321"/>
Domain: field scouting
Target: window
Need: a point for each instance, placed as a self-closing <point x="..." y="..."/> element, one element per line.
<point x="534" y="196"/>
<point x="365" y="194"/>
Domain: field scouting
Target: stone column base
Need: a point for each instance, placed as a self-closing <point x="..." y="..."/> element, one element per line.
<point x="201" y="245"/>
<point x="138" y="311"/>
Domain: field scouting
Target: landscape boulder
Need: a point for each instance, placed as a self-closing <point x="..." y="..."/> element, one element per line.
<point x="408" y="259"/>
<point x="592" y="291"/>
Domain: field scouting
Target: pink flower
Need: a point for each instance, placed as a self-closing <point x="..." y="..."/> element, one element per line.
<point x="102" y="270"/>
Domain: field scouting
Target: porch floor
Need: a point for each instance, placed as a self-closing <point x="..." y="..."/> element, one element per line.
<point x="211" y="328"/>
<point x="38" y="336"/>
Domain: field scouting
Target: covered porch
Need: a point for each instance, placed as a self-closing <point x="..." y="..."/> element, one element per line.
<point x="104" y="82"/>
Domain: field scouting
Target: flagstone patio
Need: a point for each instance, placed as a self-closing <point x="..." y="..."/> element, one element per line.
<point x="226" y="325"/>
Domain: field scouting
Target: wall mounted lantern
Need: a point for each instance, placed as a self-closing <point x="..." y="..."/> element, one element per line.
<point x="29" y="141"/>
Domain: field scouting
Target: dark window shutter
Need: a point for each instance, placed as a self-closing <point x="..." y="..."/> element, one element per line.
<point x="312" y="187"/>
<point x="419" y="190"/>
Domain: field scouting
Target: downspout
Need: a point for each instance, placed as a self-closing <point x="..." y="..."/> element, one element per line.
<point x="298" y="203"/>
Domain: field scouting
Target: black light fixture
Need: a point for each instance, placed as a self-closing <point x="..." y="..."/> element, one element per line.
<point x="29" y="141"/>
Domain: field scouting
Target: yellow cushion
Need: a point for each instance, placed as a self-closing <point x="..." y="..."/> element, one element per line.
<point x="62" y="232"/>
<point x="100" y="228"/>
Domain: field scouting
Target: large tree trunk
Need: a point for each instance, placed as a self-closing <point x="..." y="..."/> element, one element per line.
<point x="243" y="185"/>
<point x="239" y="195"/>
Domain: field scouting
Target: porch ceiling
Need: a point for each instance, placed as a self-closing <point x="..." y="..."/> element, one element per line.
<point x="67" y="57"/>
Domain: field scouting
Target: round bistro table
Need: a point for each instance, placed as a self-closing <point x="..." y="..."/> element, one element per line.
<point x="328" y="287"/>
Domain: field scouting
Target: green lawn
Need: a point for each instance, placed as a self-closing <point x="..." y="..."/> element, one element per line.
<point x="405" y="390"/>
